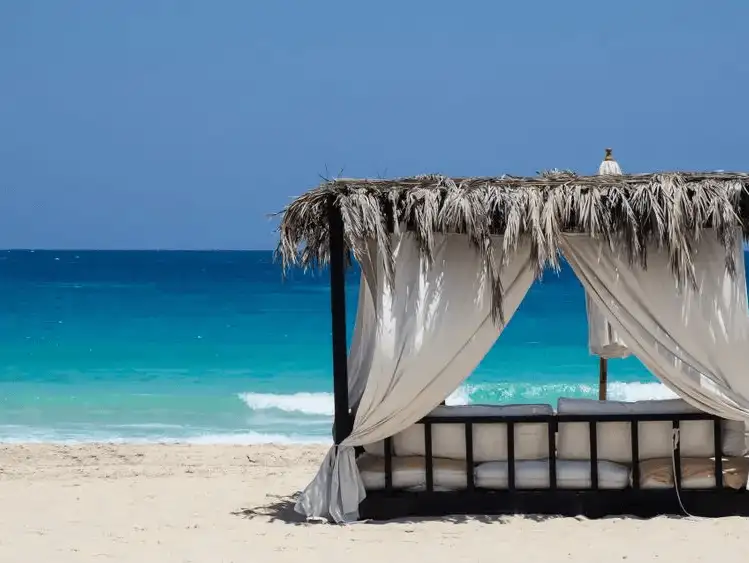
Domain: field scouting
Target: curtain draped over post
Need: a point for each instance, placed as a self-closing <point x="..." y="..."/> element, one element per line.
<point x="695" y="341"/>
<point x="603" y="340"/>
<point x="412" y="347"/>
<point x="360" y="355"/>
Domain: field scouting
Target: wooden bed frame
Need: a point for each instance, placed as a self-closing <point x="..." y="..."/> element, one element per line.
<point x="591" y="502"/>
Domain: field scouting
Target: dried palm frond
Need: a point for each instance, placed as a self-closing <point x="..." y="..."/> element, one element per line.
<point x="669" y="210"/>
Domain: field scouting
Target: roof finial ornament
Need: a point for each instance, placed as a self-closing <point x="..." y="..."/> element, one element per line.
<point x="609" y="165"/>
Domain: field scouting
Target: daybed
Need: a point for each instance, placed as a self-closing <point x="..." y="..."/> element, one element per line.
<point x="445" y="263"/>
<point x="634" y="451"/>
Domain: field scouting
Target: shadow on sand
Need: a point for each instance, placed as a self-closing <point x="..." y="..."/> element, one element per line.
<point x="502" y="519"/>
<point x="277" y="509"/>
<point x="281" y="509"/>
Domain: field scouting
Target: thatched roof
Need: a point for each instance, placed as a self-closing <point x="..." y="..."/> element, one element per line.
<point x="670" y="209"/>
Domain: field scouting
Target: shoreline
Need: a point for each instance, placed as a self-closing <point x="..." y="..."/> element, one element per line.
<point x="231" y="503"/>
<point x="207" y="441"/>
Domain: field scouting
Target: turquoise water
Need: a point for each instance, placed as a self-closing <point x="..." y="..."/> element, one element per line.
<point x="216" y="347"/>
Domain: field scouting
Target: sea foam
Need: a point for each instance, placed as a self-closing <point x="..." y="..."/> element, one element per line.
<point x="321" y="404"/>
<point x="520" y="392"/>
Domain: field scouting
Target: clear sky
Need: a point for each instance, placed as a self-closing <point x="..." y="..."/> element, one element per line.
<point x="182" y="123"/>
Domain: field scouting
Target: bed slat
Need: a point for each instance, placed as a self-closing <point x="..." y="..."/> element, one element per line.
<point x="677" y="454"/>
<point x="593" y="434"/>
<point x="389" y="464"/>
<point x="552" y="435"/>
<point x="429" y="460"/>
<point x="634" y="428"/>
<point x="718" y="447"/>
<point x="511" y="456"/>
<point x="469" y="456"/>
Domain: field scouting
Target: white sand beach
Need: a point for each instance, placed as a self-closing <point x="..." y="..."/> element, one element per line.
<point x="203" y="504"/>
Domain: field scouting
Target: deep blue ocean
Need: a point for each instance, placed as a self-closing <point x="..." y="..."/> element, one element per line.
<point x="217" y="347"/>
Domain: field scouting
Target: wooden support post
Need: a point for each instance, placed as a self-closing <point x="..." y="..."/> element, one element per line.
<point x="342" y="417"/>
<point x="603" y="375"/>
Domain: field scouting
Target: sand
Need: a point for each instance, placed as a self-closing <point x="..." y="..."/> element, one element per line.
<point x="204" y="504"/>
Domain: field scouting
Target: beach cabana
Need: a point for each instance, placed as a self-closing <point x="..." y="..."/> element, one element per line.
<point x="445" y="263"/>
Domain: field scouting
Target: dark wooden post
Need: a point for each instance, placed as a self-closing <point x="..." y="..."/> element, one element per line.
<point x="342" y="419"/>
<point x="603" y="376"/>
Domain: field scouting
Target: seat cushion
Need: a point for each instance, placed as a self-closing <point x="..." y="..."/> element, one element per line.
<point x="696" y="473"/>
<point x="535" y="475"/>
<point x="409" y="473"/>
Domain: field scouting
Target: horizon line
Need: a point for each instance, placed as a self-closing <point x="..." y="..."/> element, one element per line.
<point x="83" y="249"/>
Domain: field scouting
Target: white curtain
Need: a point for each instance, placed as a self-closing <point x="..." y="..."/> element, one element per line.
<point x="360" y="355"/>
<point x="695" y="341"/>
<point x="361" y="352"/>
<point x="603" y="340"/>
<point x="419" y="343"/>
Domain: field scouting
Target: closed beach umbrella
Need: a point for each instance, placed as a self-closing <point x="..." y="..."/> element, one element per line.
<point x="603" y="341"/>
<point x="609" y="165"/>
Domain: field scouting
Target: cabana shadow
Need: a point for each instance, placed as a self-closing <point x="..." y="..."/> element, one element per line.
<point x="466" y="519"/>
<point x="282" y="510"/>
<point x="503" y="519"/>
<point x="279" y="509"/>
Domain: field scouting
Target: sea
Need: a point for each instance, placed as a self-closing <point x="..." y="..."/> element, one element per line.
<point x="217" y="347"/>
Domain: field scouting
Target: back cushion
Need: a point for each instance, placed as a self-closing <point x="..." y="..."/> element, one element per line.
<point x="655" y="438"/>
<point x="375" y="449"/>
<point x="489" y="439"/>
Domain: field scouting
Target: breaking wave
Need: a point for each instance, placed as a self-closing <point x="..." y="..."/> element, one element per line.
<point x="321" y="404"/>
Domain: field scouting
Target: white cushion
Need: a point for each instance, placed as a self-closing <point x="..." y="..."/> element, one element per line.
<point x="535" y="475"/>
<point x="410" y="473"/>
<point x="697" y="473"/>
<point x="734" y="438"/>
<point x="489" y="439"/>
<point x="376" y="449"/>
<point x="655" y="438"/>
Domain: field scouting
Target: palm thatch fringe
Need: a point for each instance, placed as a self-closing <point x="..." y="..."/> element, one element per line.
<point x="670" y="210"/>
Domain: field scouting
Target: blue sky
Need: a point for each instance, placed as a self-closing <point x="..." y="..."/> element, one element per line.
<point x="182" y="123"/>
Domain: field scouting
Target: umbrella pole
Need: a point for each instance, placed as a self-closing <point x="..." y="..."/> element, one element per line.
<point x="603" y="374"/>
<point x="608" y="166"/>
